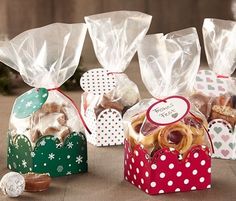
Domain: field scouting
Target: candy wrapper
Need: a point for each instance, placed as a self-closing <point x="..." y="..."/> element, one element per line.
<point x="166" y="145"/>
<point x="45" y="131"/>
<point x="108" y="91"/>
<point x="215" y="89"/>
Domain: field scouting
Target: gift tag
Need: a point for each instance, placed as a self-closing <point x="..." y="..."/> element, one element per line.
<point x="98" y="81"/>
<point x="208" y="83"/>
<point x="169" y="110"/>
<point x="29" y="102"/>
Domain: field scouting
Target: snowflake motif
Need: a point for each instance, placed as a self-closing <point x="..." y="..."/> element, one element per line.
<point x="14" y="165"/>
<point x="42" y="143"/>
<point x="51" y="156"/>
<point x="9" y="150"/>
<point x="79" y="159"/>
<point x="32" y="154"/>
<point x="24" y="163"/>
<point x="44" y="95"/>
<point x="68" y="173"/>
<point x="17" y="146"/>
<point x="28" y="104"/>
<point x="17" y="156"/>
<point x="68" y="156"/>
<point x="60" y="168"/>
<point x="70" y="145"/>
<point x="59" y="145"/>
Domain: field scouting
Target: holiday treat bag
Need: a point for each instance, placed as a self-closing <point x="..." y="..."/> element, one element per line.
<point x="45" y="131"/>
<point x="108" y="91"/>
<point x="216" y="89"/>
<point x="166" y="144"/>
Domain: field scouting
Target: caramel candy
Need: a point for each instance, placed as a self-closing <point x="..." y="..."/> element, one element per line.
<point x="35" y="135"/>
<point x="63" y="133"/>
<point x="52" y="107"/>
<point x="98" y="110"/>
<point x="36" y="182"/>
<point x="201" y="102"/>
<point x="50" y="131"/>
<point x="107" y="104"/>
<point x="224" y="100"/>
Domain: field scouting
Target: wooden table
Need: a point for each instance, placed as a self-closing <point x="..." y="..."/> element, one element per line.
<point x="105" y="182"/>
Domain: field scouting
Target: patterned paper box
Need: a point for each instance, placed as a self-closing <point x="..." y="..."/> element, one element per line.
<point x="222" y="134"/>
<point x="165" y="172"/>
<point x="48" y="154"/>
<point x="107" y="128"/>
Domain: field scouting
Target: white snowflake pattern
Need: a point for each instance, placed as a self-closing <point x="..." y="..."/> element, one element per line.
<point x="51" y="156"/>
<point x="60" y="168"/>
<point x="68" y="173"/>
<point x="44" y="95"/>
<point x="24" y="163"/>
<point x="79" y="159"/>
<point x="17" y="146"/>
<point x="68" y="156"/>
<point x="42" y="143"/>
<point x="9" y="150"/>
<point x="32" y="154"/>
<point x="28" y="104"/>
<point x="59" y="145"/>
<point x="70" y="145"/>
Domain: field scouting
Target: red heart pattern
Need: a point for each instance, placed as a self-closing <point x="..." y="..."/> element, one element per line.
<point x="165" y="172"/>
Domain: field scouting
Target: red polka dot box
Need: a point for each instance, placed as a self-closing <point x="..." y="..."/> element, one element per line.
<point x="165" y="171"/>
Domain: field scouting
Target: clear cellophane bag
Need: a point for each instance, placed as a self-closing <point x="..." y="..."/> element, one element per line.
<point x="168" y="64"/>
<point x="216" y="88"/>
<point x="45" y="58"/>
<point x="115" y="37"/>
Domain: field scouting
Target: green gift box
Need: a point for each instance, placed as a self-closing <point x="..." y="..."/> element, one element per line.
<point x="45" y="130"/>
<point x="49" y="155"/>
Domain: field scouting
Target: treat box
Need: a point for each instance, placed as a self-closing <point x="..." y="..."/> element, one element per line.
<point x="165" y="172"/>
<point x="106" y="128"/>
<point x="49" y="155"/>
<point x="222" y="134"/>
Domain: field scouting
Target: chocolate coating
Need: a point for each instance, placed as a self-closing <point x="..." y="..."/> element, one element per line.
<point x="36" y="182"/>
